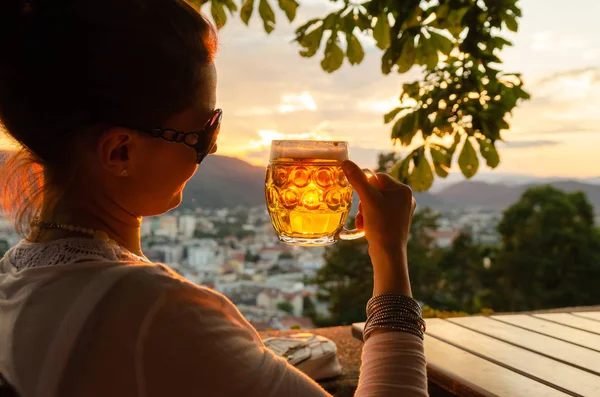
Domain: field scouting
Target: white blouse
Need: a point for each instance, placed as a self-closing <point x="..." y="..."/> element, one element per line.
<point x="82" y="317"/>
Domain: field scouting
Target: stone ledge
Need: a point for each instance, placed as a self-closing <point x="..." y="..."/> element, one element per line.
<point x="349" y="353"/>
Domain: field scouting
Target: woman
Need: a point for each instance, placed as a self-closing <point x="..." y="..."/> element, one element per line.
<point x="114" y="103"/>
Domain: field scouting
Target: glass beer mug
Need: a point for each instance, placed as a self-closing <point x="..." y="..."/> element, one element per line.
<point x="307" y="193"/>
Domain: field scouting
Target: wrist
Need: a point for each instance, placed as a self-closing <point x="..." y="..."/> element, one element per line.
<point x="390" y="271"/>
<point x="392" y="257"/>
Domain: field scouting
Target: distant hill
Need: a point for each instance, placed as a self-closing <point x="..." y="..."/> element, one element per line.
<point x="228" y="182"/>
<point x="225" y="182"/>
<point x="498" y="196"/>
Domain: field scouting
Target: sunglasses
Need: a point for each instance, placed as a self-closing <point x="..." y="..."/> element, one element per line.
<point x="202" y="141"/>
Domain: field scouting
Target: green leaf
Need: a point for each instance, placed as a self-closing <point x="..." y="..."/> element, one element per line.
<point x="363" y="22"/>
<point x="488" y="152"/>
<point x="301" y="31"/>
<point x="499" y="42"/>
<point x="490" y="130"/>
<point x="354" y="52"/>
<point x="217" y="11"/>
<point x="441" y="162"/>
<point x="311" y="42"/>
<point x="392" y="115"/>
<point x="230" y="5"/>
<point x="408" y="56"/>
<point x="455" y="17"/>
<point x="411" y="89"/>
<point x="427" y="53"/>
<point x="425" y="123"/>
<point x="289" y="7"/>
<point x="522" y="94"/>
<point x="267" y="15"/>
<point x="400" y="170"/>
<point x="421" y="177"/>
<point x="452" y="148"/>
<point x="405" y="128"/>
<point x="442" y="43"/>
<point x="390" y="57"/>
<point x="442" y="11"/>
<point x="414" y="20"/>
<point x="467" y="160"/>
<point x="502" y="124"/>
<point x="511" y="22"/>
<point x="246" y="11"/>
<point x="334" y="57"/>
<point x="331" y="21"/>
<point x="381" y="31"/>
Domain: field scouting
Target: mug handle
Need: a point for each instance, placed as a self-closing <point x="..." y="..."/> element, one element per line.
<point x="354" y="234"/>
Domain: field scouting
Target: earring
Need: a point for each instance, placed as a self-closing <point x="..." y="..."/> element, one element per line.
<point x="124" y="172"/>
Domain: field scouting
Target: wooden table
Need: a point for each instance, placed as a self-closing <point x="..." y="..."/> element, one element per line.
<point x="551" y="354"/>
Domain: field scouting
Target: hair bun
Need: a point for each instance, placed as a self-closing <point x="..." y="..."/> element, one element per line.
<point x="27" y="7"/>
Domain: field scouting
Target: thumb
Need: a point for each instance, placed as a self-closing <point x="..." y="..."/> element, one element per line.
<point x="359" y="180"/>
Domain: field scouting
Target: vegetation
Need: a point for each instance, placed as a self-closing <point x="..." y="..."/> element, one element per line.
<point x="549" y="257"/>
<point x="550" y="253"/>
<point x="462" y="98"/>
<point x="286" y="307"/>
<point x="4" y="247"/>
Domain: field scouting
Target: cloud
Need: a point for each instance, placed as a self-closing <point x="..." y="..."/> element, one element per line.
<point x="289" y="103"/>
<point x="527" y="144"/>
<point x="271" y="90"/>
<point x="549" y="42"/>
<point x="564" y="102"/>
<point x="297" y="102"/>
<point x="590" y="74"/>
<point x="378" y="105"/>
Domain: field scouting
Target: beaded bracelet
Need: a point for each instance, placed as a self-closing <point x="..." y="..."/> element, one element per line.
<point x="396" y="312"/>
<point x="397" y="299"/>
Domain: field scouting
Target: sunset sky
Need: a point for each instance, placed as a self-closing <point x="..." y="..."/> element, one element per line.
<point x="268" y="91"/>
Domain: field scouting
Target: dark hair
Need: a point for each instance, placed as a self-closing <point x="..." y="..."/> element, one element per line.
<point x="68" y="65"/>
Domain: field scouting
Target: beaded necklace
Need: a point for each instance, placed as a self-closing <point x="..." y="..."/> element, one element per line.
<point x="38" y="225"/>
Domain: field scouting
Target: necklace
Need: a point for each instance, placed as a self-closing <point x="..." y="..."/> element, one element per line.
<point x="38" y="225"/>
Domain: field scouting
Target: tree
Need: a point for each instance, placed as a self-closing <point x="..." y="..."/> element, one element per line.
<point x="463" y="276"/>
<point x="286" y="307"/>
<point x="250" y="257"/>
<point x="4" y="247"/>
<point x="308" y="308"/>
<point x="346" y="279"/>
<point x="462" y="98"/>
<point x="551" y="252"/>
<point x="286" y="255"/>
<point x="423" y="256"/>
<point x="386" y="161"/>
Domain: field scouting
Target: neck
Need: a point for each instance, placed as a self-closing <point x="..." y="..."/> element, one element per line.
<point x="94" y="212"/>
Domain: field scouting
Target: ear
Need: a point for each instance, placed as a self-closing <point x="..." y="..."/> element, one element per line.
<point x="114" y="149"/>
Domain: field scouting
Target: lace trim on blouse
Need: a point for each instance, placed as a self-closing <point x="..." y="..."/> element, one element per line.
<point x="65" y="251"/>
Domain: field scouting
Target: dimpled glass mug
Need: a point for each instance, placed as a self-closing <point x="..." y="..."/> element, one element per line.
<point x="308" y="196"/>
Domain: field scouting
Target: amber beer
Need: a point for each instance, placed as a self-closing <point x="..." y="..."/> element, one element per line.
<point x="308" y="196"/>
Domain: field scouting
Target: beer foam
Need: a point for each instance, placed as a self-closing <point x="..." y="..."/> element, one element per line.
<point x="325" y="150"/>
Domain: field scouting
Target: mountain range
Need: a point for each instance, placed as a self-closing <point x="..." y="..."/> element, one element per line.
<point x="227" y="182"/>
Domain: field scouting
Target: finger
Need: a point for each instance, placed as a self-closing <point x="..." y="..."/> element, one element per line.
<point x="359" y="221"/>
<point x="359" y="207"/>
<point x="386" y="180"/>
<point x="358" y="180"/>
